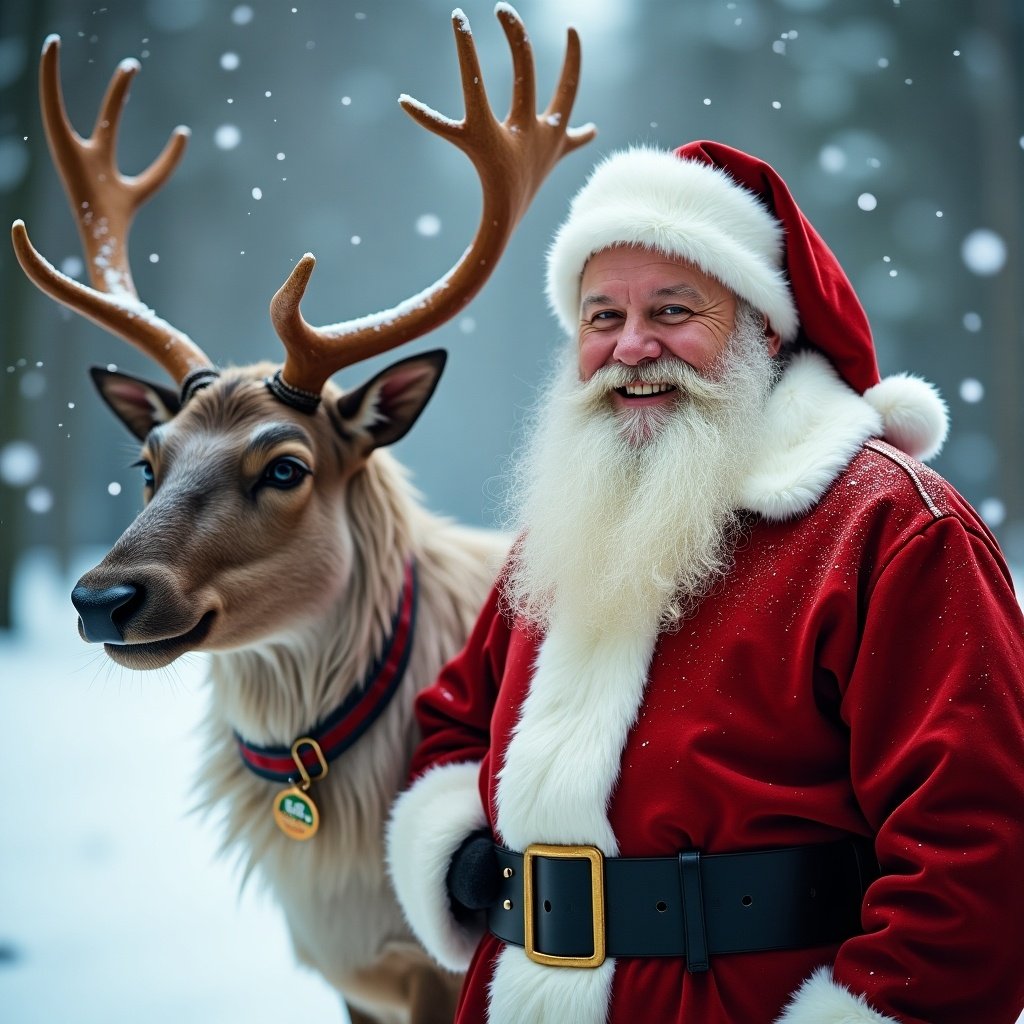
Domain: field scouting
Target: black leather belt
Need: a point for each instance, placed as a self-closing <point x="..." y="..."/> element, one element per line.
<point x="571" y="907"/>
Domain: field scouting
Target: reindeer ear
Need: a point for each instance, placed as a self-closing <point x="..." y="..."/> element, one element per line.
<point x="138" y="404"/>
<point x="386" y="406"/>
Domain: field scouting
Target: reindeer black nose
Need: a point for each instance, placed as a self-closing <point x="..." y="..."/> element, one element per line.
<point x="98" y="608"/>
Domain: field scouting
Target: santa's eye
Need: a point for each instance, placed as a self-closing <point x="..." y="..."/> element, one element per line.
<point x="676" y="312"/>
<point x="605" y="318"/>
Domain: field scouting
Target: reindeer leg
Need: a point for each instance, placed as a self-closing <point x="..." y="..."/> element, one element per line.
<point x="403" y="986"/>
<point x="358" y="1017"/>
<point x="433" y="995"/>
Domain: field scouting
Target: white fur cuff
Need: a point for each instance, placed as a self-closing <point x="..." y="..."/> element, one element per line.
<point x="822" y="1000"/>
<point x="428" y="824"/>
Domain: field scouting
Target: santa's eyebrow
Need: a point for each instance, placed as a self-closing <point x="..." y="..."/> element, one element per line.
<point x="686" y="292"/>
<point x="596" y="300"/>
<point x="681" y="291"/>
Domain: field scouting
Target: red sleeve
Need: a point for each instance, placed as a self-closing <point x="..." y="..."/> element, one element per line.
<point x="454" y="714"/>
<point x="935" y="708"/>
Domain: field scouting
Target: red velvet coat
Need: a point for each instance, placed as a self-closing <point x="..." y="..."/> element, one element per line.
<point x="858" y="672"/>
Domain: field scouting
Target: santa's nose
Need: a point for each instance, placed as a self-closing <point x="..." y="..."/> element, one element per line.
<point x="636" y="343"/>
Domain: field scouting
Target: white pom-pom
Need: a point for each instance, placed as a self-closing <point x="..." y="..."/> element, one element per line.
<point x="914" y="417"/>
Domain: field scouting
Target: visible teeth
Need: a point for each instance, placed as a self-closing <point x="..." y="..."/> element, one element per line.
<point x="647" y="389"/>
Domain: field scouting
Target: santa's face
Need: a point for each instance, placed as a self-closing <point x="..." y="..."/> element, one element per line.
<point x="638" y="307"/>
<point x="626" y="516"/>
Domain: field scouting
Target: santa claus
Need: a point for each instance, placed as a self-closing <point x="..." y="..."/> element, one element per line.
<point x="736" y="738"/>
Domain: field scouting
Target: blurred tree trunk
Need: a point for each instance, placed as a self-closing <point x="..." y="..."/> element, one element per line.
<point x="999" y="111"/>
<point x="25" y="22"/>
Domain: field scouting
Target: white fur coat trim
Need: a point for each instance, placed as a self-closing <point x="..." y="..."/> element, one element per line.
<point x="822" y="1000"/>
<point x="566" y="749"/>
<point x="523" y="992"/>
<point x="554" y="786"/>
<point x="816" y="423"/>
<point x="428" y="823"/>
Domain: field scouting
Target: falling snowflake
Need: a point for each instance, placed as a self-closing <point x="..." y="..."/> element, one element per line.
<point x="227" y="136"/>
<point x="19" y="463"/>
<point x="72" y="266"/>
<point x="993" y="511"/>
<point x="983" y="252"/>
<point x="39" y="500"/>
<point x="832" y="159"/>
<point x="972" y="390"/>
<point x="428" y="225"/>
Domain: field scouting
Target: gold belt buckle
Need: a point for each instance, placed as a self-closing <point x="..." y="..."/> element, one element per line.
<point x="594" y="855"/>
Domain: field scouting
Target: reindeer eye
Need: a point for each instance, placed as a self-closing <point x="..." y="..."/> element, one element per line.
<point x="148" y="476"/>
<point x="285" y="472"/>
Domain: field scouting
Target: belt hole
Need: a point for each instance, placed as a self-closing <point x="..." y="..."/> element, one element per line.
<point x="547" y="906"/>
<point x="661" y="906"/>
<point x="747" y="901"/>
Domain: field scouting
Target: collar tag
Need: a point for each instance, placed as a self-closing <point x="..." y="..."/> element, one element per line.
<point x="295" y="813"/>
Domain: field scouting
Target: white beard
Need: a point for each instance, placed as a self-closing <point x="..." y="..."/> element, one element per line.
<point x="626" y="520"/>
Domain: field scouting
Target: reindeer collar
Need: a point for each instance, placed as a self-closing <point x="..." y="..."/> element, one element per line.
<point x="204" y="376"/>
<point x="342" y="728"/>
<point x="200" y="378"/>
<point x="304" y="401"/>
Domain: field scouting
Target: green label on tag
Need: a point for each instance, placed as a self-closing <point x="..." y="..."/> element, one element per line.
<point x="296" y="807"/>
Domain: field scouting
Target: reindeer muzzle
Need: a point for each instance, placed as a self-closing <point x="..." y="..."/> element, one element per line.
<point x="99" y="607"/>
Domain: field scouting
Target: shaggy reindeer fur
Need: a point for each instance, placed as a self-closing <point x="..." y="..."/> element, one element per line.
<point x="334" y="889"/>
<point x="288" y="656"/>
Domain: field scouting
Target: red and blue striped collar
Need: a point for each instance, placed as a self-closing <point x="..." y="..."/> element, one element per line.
<point x="340" y="730"/>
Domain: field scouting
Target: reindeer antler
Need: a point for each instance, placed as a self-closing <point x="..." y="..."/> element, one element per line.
<point x="512" y="158"/>
<point x="104" y="202"/>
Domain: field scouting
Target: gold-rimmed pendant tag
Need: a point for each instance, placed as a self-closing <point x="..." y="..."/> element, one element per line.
<point x="295" y="813"/>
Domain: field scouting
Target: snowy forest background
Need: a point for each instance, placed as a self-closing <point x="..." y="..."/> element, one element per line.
<point x="898" y="125"/>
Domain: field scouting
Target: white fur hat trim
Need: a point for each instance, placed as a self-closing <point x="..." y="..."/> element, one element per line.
<point x="914" y="417"/>
<point x="683" y="208"/>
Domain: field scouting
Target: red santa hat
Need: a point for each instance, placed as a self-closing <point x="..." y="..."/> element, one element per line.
<point x="732" y="216"/>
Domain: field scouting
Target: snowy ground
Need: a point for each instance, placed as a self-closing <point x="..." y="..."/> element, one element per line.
<point x="114" y="905"/>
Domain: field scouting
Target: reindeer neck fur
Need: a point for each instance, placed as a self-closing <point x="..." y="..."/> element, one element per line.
<point x="273" y="691"/>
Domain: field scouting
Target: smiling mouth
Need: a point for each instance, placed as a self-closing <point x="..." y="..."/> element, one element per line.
<point x="644" y="390"/>
<point x="159" y="653"/>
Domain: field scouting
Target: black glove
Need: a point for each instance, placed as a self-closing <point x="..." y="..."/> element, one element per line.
<point x="472" y="879"/>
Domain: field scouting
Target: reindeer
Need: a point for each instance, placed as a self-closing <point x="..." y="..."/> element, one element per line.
<point x="279" y="535"/>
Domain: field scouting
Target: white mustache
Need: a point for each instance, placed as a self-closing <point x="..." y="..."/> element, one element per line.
<point x="688" y="381"/>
